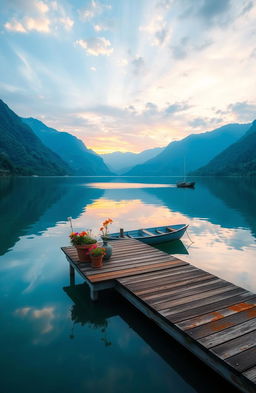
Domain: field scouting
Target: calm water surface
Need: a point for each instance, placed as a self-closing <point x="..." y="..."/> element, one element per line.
<point x="53" y="338"/>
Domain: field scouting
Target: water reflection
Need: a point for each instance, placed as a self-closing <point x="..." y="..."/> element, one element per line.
<point x="31" y="205"/>
<point x="221" y="213"/>
<point x="176" y="247"/>
<point x="127" y="185"/>
<point x="187" y="372"/>
<point x="37" y="317"/>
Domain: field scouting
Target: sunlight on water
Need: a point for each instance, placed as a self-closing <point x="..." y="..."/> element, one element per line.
<point x="127" y="214"/>
<point x="44" y="318"/>
<point x="112" y="186"/>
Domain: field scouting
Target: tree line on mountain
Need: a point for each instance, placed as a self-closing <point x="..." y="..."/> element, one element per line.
<point x="28" y="147"/>
<point x="239" y="159"/>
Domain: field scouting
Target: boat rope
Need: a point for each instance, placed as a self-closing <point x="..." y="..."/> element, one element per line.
<point x="189" y="237"/>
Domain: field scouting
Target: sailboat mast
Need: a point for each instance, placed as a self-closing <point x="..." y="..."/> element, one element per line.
<point x="184" y="169"/>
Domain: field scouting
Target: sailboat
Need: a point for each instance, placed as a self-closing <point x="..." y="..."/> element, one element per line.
<point x="184" y="183"/>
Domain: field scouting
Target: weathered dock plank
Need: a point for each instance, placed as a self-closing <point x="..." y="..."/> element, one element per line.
<point x="213" y="318"/>
<point x="217" y="321"/>
<point x="235" y="346"/>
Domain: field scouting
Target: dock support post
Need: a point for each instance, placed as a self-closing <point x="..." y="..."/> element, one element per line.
<point x="94" y="294"/>
<point x="71" y="275"/>
<point x="121" y="232"/>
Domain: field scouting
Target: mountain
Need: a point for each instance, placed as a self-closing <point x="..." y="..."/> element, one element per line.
<point x="21" y="150"/>
<point x="6" y="167"/>
<point x="196" y="149"/>
<point x="239" y="159"/>
<point x="120" y="162"/>
<point x="83" y="161"/>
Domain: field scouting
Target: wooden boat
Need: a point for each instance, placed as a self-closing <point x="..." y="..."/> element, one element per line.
<point x="185" y="184"/>
<point x="154" y="235"/>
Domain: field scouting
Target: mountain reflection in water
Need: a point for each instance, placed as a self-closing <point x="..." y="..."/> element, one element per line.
<point x="60" y="343"/>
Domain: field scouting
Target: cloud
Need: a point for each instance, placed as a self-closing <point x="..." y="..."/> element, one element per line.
<point x="198" y="122"/>
<point x="39" y="17"/>
<point x="94" y="9"/>
<point x="244" y="111"/>
<point x="151" y="109"/>
<point x="138" y="65"/>
<point x="180" y="51"/>
<point x="14" y="25"/>
<point x="46" y="315"/>
<point x="122" y="62"/>
<point x="156" y="30"/>
<point x="42" y="7"/>
<point x="210" y="9"/>
<point x="160" y="36"/>
<point x="131" y="128"/>
<point x="165" y="4"/>
<point x="247" y="7"/>
<point x="99" y="27"/>
<point x="185" y="47"/>
<point x="103" y="25"/>
<point x="176" y="107"/>
<point x="164" y="98"/>
<point x="253" y="53"/>
<point x="41" y="25"/>
<point x="96" y="46"/>
<point x="67" y="23"/>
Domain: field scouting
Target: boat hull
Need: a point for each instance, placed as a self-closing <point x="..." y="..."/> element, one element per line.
<point x="156" y="238"/>
<point x="186" y="185"/>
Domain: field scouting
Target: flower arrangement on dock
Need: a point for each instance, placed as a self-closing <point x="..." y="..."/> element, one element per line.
<point x="104" y="227"/>
<point x="104" y="236"/>
<point x="96" y="255"/>
<point x="83" y="242"/>
<point x="86" y="244"/>
<point x="79" y="239"/>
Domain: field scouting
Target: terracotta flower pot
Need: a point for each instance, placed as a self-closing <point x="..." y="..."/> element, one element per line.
<point x="83" y="252"/>
<point x="96" y="262"/>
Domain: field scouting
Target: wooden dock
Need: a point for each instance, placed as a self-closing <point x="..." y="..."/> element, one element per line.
<point x="211" y="317"/>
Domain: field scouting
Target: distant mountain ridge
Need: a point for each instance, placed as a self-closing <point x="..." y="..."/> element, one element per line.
<point x="82" y="161"/>
<point x="120" y="162"/>
<point x="197" y="149"/>
<point x="21" y="150"/>
<point x="239" y="159"/>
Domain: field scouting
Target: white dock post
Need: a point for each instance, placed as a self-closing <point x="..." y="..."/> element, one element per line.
<point x="94" y="294"/>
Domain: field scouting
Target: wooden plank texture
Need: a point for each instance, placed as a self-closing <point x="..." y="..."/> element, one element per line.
<point x="220" y="323"/>
<point x="217" y="316"/>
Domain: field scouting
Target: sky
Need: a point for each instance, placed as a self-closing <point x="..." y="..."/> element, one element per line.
<point x="129" y="75"/>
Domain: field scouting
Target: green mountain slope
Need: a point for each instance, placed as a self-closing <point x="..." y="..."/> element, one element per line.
<point x="23" y="151"/>
<point x="71" y="149"/>
<point x="239" y="159"/>
<point x="197" y="149"/>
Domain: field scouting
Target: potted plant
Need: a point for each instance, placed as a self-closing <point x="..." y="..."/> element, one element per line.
<point x="82" y="242"/>
<point x="104" y="236"/>
<point x="96" y="255"/>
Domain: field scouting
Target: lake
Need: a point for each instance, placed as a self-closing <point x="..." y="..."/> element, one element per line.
<point x="53" y="338"/>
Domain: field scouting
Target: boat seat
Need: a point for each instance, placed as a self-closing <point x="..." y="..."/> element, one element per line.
<point x="170" y="229"/>
<point x="147" y="232"/>
<point x="160" y="232"/>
